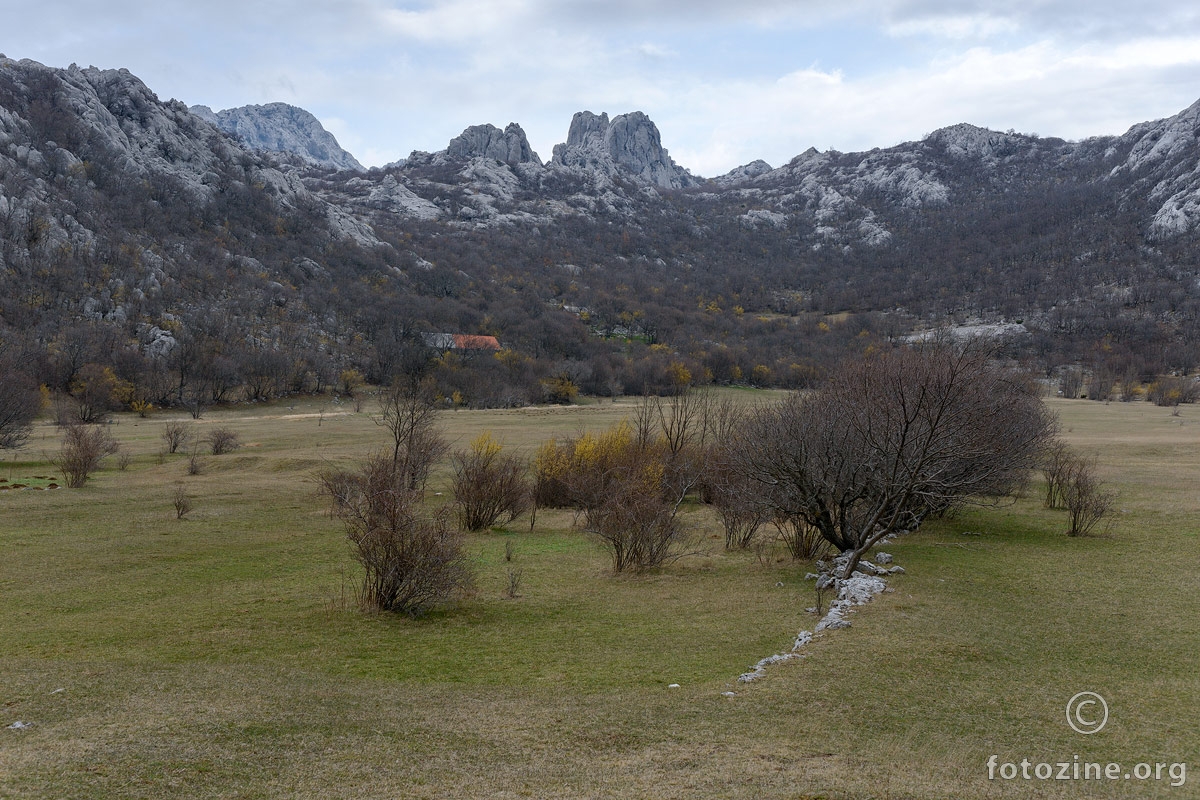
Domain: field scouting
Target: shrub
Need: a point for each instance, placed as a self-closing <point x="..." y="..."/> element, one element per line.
<point x="803" y="541"/>
<point x="176" y="435"/>
<point x="559" y="389"/>
<point x="1170" y="391"/>
<point x="630" y="504"/>
<point x="412" y="561"/>
<point x="181" y="501"/>
<point x="84" y="447"/>
<point x="639" y="528"/>
<point x="488" y="484"/>
<point x="1056" y="469"/>
<point x="222" y="440"/>
<point x="738" y="501"/>
<point x="1085" y="498"/>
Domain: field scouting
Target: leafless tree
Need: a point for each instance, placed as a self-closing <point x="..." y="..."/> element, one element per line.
<point x="895" y="437"/>
<point x="412" y="561"/>
<point x="20" y="402"/>
<point x="737" y="498"/>
<point x="409" y="412"/>
<point x="1070" y="383"/>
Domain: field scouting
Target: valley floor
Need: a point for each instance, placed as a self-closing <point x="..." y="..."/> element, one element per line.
<point x="222" y="655"/>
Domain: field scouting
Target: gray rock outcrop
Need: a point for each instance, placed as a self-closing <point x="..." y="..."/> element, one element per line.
<point x="282" y="128"/>
<point x="743" y="174"/>
<point x="487" y="141"/>
<point x="629" y="144"/>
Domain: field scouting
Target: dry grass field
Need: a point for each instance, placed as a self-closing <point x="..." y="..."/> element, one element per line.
<point x="222" y="655"/>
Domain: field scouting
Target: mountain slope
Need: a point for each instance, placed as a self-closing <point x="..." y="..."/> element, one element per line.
<point x="163" y="237"/>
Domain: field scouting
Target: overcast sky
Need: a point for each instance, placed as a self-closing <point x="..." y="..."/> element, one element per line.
<point x="725" y="82"/>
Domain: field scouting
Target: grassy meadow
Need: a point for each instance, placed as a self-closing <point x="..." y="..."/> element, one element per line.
<point x="222" y="654"/>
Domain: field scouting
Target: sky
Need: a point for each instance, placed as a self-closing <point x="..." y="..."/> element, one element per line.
<point x="725" y="82"/>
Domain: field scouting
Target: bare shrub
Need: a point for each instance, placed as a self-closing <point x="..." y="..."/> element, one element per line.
<point x="412" y="561"/>
<point x="181" y="501"/>
<point x="488" y="484"/>
<point x="802" y="540"/>
<point x="83" y="448"/>
<point x="513" y="589"/>
<point x="1085" y="498"/>
<point x="123" y="461"/>
<point x="176" y="435"/>
<point x="738" y="500"/>
<point x="616" y="478"/>
<point x="1057" y="464"/>
<point x="195" y="463"/>
<point x="222" y="440"/>
<point x="640" y="529"/>
<point x="1170" y="391"/>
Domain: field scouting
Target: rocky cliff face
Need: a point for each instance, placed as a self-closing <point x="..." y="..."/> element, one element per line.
<point x="282" y="128"/>
<point x="1160" y="158"/>
<point x="488" y="141"/>
<point x="628" y="144"/>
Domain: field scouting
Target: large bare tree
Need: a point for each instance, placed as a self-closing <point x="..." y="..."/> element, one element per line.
<point x="20" y="401"/>
<point x="892" y="438"/>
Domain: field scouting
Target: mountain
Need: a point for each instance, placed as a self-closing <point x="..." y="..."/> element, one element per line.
<point x="282" y="128"/>
<point x="137" y="235"/>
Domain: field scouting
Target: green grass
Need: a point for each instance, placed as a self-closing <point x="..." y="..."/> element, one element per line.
<point x="222" y="655"/>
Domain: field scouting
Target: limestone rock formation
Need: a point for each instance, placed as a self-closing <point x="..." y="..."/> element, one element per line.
<point x="282" y="128"/>
<point x="487" y="141"/>
<point x="629" y="144"/>
<point x="743" y="174"/>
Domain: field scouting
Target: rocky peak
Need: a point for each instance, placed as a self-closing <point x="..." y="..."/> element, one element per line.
<point x="629" y="143"/>
<point x="487" y="141"/>
<point x="972" y="142"/>
<point x="282" y="128"/>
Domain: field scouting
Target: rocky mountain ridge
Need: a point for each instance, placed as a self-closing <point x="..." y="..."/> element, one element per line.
<point x="118" y="207"/>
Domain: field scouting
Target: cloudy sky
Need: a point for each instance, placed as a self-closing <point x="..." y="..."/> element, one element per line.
<point x="725" y="82"/>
